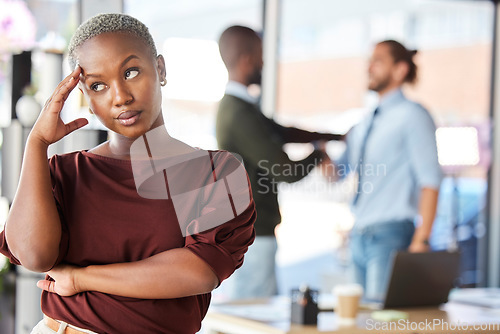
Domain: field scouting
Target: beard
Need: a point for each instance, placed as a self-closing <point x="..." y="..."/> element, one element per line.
<point x="379" y="85"/>
<point x="255" y="78"/>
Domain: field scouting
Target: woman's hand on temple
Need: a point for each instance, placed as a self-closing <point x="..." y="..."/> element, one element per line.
<point x="49" y="127"/>
<point x="64" y="281"/>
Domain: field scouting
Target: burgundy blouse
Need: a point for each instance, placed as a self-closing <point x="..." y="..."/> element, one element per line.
<point x="114" y="212"/>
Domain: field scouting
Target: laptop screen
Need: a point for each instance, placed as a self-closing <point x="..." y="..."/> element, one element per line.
<point x="422" y="279"/>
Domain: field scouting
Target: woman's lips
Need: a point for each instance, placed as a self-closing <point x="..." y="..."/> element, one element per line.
<point x="128" y="118"/>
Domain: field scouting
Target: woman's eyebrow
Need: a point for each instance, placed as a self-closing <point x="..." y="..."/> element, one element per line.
<point x="87" y="75"/>
<point x="128" y="59"/>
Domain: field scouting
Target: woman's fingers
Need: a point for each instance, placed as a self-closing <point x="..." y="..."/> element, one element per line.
<point x="65" y="87"/>
<point x="46" y="285"/>
<point x="62" y="94"/>
<point x="75" y="75"/>
<point x="61" y="281"/>
<point x="49" y="127"/>
<point x="73" y="80"/>
<point x="75" y="125"/>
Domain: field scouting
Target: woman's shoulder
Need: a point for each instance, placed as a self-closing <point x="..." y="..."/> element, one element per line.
<point x="72" y="164"/>
<point x="82" y="157"/>
<point x="66" y="158"/>
<point x="65" y="166"/>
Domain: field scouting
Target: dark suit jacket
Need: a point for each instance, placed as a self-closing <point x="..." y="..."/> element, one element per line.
<point x="242" y="128"/>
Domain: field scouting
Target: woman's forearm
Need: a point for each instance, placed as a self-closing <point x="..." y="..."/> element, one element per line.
<point x="171" y="274"/>
<point x="33" y="229"/>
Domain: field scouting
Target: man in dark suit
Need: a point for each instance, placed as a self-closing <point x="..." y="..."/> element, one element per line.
<point x="243" y="129"/>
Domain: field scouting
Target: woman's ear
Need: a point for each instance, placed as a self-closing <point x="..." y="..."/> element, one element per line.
<point x="160" y="66"/>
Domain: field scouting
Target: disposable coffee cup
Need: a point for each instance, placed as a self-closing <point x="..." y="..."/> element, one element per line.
<point x="348" y="297"/>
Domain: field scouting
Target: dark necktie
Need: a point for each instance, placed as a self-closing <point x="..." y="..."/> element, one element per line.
<point x="359" y="166"/>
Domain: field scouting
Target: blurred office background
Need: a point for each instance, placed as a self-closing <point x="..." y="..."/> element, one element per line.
<point x="316" y="55"/>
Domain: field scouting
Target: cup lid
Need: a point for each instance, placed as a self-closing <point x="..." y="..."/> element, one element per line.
<point x="352" y="289"/>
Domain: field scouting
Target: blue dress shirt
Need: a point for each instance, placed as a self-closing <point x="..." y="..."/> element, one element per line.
<point x="400" y="159"/>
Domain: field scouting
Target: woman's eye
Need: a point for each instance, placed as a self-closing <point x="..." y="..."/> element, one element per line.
<point x="132" y="73"/>
<point x="97" y="87"/>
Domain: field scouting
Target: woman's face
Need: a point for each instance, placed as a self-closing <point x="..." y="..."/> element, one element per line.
<point x="121" y="81"/>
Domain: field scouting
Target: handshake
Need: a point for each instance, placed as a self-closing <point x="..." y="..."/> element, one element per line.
<point x="326" y="166"/>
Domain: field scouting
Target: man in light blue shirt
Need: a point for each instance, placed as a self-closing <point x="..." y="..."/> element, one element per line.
<point x="394" y="153"/>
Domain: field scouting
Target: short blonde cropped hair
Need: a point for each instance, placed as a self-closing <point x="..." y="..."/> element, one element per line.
<point x="103" y="23"/>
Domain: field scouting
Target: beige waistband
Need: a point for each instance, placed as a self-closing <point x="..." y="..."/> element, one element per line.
<point x="63" y="328"/>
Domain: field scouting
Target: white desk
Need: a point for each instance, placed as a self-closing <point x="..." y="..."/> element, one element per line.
<point x="271" y="316"/>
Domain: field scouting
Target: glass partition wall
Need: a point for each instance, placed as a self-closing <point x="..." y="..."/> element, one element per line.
<point x="324" y="51"/>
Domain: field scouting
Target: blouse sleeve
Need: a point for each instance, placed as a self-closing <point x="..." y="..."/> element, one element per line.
<point x="56" y="191"/>
<point x="224" y="228"/>
<point x="4" y="249"/>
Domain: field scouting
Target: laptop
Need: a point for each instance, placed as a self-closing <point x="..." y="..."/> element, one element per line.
<point x="421" y="279"/>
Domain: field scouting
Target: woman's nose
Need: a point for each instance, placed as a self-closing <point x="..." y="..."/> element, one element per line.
<point x="122" y="95"/>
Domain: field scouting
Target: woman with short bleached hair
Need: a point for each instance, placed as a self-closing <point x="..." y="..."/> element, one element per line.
<point x="135" y="233"/>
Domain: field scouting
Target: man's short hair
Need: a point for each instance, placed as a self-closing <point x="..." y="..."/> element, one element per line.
<point x="236" y="41"/>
